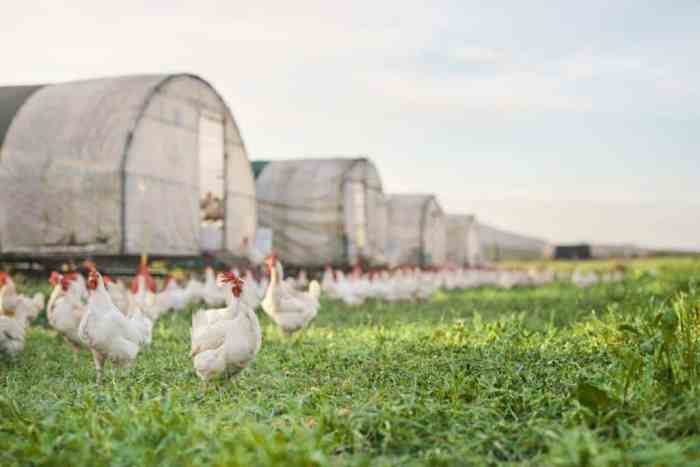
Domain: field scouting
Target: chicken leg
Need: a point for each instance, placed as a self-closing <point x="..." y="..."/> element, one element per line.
<point x="99" y="361"/>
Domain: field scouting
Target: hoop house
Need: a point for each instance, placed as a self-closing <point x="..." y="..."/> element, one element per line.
<point x="118" y="166"/>
<point x="323" y="211"/>
<point x="463" y="243"/>
<point x="499" y="244"/>
<point x="417" y="233"/>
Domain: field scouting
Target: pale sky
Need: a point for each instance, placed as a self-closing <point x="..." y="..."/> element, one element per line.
<point x="572" y="121"/>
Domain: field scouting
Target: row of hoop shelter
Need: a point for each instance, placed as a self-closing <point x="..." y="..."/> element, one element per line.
<point x="335" y="211"/>
<point x="156" y="163"/>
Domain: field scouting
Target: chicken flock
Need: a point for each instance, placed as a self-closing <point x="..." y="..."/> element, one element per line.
<point x="114" y="321"/>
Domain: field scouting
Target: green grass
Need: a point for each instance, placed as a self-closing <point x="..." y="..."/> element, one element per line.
<point x="548" y="376"/>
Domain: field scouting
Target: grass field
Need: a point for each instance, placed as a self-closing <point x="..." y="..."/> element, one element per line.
<point x="550" y="376"/>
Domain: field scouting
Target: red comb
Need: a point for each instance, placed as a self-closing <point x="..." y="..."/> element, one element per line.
<point x="67" y="279"/>
<point x="3" y="278"/>
<point x="235" y="281"/>
<point x="55" y="278"/>
<point x="146" y="273"/>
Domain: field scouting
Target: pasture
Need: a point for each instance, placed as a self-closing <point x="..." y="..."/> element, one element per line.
<point x="554" y="375"/>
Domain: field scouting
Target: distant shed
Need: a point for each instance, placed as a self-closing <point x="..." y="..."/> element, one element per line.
<point x="580" y="251"/>
<point x="463" y="242"/>
<point x="116" y="166"/>
<point x="499" y="245"/>
<point x="417" y="231"/>
<point x="323" y="211"/>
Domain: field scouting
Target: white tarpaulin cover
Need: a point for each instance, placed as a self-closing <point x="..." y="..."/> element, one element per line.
<point x="323" y="211"/>
<point x="463" y="243"/>
<point x="416" y="232"/>
<point x="111" y="166"/>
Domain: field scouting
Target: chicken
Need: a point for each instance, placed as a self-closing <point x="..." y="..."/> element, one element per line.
<point x="427" y="285"/>
<point x="195" y="289"/>
<point x="143" y="322"/>
<point x="290" y="309"/>
<point x="118" y="293"/>
<point x="174" y="297"/>
<point x="328" y="284"/>
<point x="212" y="207"/>
<point x="81" y="286"/>
<point x="226" y="340"/>
<point x="13" y="304"/>
<point x="381" y="285"/>
<point x="117" y="290"/>
<point x="348" y="291"/>
<point x="507" y="280"/>
<point x="12" y="332"/>
<point x="106" y="331"/>
<point x="359" y="285"/>
<point x="255" y="291"/>
<point x="143" y="288"/>
<point x="258" y="288"/>
<point x="65" y="309"/>
<point x="584" y="279"/>
<point x="405" y="285"/>
<point x="212" y="294"/>
<point x="302" y="280"/>
<point x="13" y="324"/>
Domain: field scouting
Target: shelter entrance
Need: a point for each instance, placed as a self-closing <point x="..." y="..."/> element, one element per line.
<point x="211" y="181"/>
<point x="355" y="219"/>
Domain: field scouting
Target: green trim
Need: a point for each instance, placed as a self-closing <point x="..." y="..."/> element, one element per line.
<point x="258" y="167"/>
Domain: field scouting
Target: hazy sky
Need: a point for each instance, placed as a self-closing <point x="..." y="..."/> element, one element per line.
<point x="567" y="120"/>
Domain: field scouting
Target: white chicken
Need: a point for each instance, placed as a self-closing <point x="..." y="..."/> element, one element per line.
<point x="302" y="280"/>
<point x="12" y="332"/>
<point x="226" y="340"/>
<point x="115" y="288"/>
<point x="584" y="279"/>
<point x="65" y="309"/>
<point x="427" y="284"/>
<point x="328" y="284"/>
<point x="106" y="331"/>
<point x="13" y="325"/>
<point x="381" y="285"/>
<point x="173" y="297"/>
<point x="346" y="291"/>
<point x="143" y="288"/>
<point x="117" y="292"/>
<point x="212" y="294"/>
<point x="81" y="286"/>
<point x="13" y="304"/>
<point x="258" y="288"/>
<point x="290" y="309"/>
<point x="359" y="285"/>
<point x="195" y="289"/>
<point x="143" y="323"/>
<point x="404" y="285"/>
